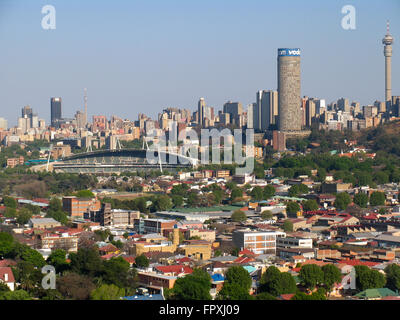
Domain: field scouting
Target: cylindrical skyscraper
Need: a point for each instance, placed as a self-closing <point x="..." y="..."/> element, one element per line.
<point x="387" y="41"/>
<point x="289" y="90"/>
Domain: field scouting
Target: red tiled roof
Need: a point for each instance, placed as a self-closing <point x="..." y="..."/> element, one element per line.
<point x="129" y="259"/>
<point x="184" y="259"/>
<point x="243" y="260"/>
<point x="108" y="256"/>
<point x="356" y="262"/>
<point x="4" y="271"/>
<point x="108" y="248"/>
<point x="175" y="269"/>
<point x="247" y="252"/>
<point x="7" y="263"/>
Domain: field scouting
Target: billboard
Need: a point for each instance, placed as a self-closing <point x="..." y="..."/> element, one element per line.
<point x="288" y="52"/>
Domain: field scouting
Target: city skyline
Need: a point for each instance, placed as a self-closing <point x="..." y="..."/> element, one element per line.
<point x="155" y="92"/>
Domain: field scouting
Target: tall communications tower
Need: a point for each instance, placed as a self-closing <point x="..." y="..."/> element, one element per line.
<point x="387" y="41"/>
<point x="85" y="101"/>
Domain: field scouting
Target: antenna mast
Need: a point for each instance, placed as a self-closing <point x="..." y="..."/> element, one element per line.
<point x="85" y="101"/>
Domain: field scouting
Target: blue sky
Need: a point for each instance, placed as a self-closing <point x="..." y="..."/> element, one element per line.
<point x="142" y="56"/>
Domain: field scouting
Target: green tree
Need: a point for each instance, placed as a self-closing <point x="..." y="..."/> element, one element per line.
<point x="377" y="199"/>
<point x="236" y="193"/>
<point x="233" y="291"/>
<point x="239" y="275"/>
<point x="15" y="295"/>
<point x="6" y="244"/>
<point x="310" y="205"/>
<point x="177" y="200"/>
<point x="381" y="177"/>
<point x="342" y="201"/>
<point x="162" y="203"/>
<point x="292" y="207"/>
<point x="56" y="212"/>
<point x="86" y="261"/>
<point x="116" y="271"/>
<point x="266" y="215"/>
<point x="141" y="261"/>
<point x="332" y="275"/>
<point x="58" y="259"/>
<point x="194" y="286"/>
<point x="24" y="216"/>
<point x="107" y="292"/>
<point x="257" y="193"/>
<point x="276" y="283"/>
<point x="10" y="202"/>
<point x="393" y="276"/>
<point x="311" y="275"/>
<point x="361" y="199"/>
<point x="288" y="226"/>
<point x="32" y="256"/>
<point x="268" y="192"/>
<point x="368" y="279"/>
<point x="265" y="296"/>
<point x="238" y="216"/>
<point x="10" y="212"/>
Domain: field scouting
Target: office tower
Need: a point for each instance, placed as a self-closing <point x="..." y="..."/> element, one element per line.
<point x="42" y="124"/>
<point x="269" y="108"/>
<point x="310" y="112"/>
<point x="235" y="109"/>
<point x="80" y="119"/>
<point x="266" y="111"/>
<point x="26" y="111"/>
<point x="370" y="111"/>
<point x="24" y="123"/>
<point x="319" y="106"/>
<point x="257" y="111"/>
<point x="343" y="104"/>
<point x="387" y="41"/>
<point x="200" y="111"/>
<point x="3" y="124"/>
<point x="380" y="105"/>
<point x="289" y="90"/>
<point x="356" y="108"/>
<point x="34" y="121"/>
<point x="250" y="115"/>
<point x="396" y="105"/>
<point x="55" y="104"/>
<point x="225" y="118"/>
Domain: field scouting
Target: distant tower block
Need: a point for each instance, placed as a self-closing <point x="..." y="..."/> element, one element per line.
<point x="289" y="90"/>
<point x="85" y="102"/>
<point x="387" y="41"/>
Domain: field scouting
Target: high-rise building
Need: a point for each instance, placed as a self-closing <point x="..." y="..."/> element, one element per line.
<point x="55" y="106"/>
<point x="26" y="111"/>
<point x="200" y="111"/>
<point x="310" y="112"/>
<point x="387" y="41"/>
<point x="3" y="124"/>
<point x="235" y="110"/>
<point x="269" y="108"/>
<point x="289" y="101"/>
<point x="250" y="115"/>
<point x="343" y="104"/>
<point x="266" y="109"/>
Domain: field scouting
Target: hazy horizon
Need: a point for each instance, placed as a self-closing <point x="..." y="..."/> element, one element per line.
<point x="142" y="56"/>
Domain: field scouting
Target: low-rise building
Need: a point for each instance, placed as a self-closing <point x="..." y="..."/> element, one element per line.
<point x="43" y="223"/>
<point x="256" y="241"/>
